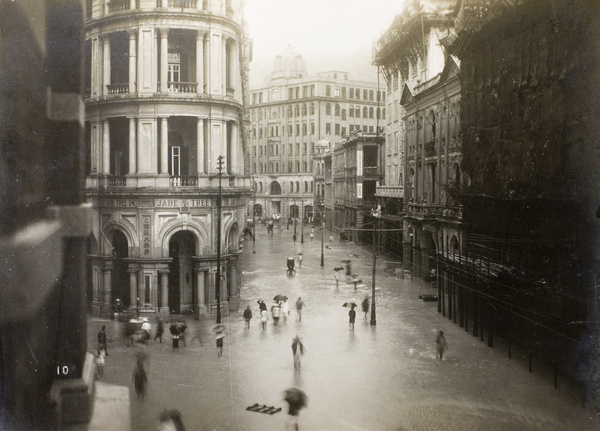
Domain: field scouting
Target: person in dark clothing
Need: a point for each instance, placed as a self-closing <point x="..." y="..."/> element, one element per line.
<point x="102" y="340"/>
<point x="159" y="330"/>
<point x="140" y="378"/>
<point x="297" y="351"/>
<point x="248" y="316"/>
<point x="170" y="420"/>
<point x="365" y="306"/>
<point x="352" y="317"/>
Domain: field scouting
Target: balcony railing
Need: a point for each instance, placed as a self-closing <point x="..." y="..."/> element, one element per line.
<point x="183" y="4"/>
<point x="183" y="181"/>
<point x="117" y="181"/>
<point x="370" y="171"/>
<point x="182" y="87"/>
<point x="390" y="191"/>
<point x="118" y="5"/>
<point x="118" y="88"/>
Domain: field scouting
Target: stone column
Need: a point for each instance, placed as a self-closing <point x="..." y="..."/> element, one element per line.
<point x="96" y="68"/>
<point x="224" y="65"/>
<point x="164" y="146"/>
<point x="200" y="62"/>
<point x="234" y="149"/>
<point x="200" y="146"/>
<point x="96" y="144"/>
<point x="107" y="293"/>
<point x="105" y="65"/>
<point x="164" y="59"/>
<point x="105" y="147"/>
<point x="132" y="288"/>
<point x="164" y="287"/>
<point x="132" y="145"/>
<point x="200" y="292"/>
<point x="132" y="61"/>
<point x="208" y="58"/>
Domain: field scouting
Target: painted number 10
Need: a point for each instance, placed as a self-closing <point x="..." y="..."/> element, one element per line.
<point x="64" y="370"/>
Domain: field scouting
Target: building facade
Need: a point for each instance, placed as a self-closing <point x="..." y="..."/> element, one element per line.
<point x="422" y="143"/>
<point x="165" y="90"/>
<point x="289" y="114"/>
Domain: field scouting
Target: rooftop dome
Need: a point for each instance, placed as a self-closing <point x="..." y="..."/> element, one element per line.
<point x="289" y="64"/>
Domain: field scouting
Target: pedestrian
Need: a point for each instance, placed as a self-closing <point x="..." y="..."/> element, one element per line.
<point x="100" y="358"/>
<point x="263" y="319"/>
<point x="365" y="306"/>
<point x="276" y="313"/>
<point x="140" y="378"/>
<point x="352" y="317"/>
<point x="294" y="238"/>
<point x="247" y="316"/>
<point x="170" y="420"/>
<point x="219" y="338"/>
<point x="337" y="276"/>
<point x="160" y="329"/>
<point x="102" y="340"/>
<point x="297" y="351"/>
<point x="285" y="311"/>
<point x="300" y="260"/>
<point x="331" y="238"/>
<point x="299" y="307"/>
<point x="312" y="237"/>
<point x="261" y="305"/>
<point x="182" y="327"/>
<point x="146" y="326"/>
<point x="441" y="343"/>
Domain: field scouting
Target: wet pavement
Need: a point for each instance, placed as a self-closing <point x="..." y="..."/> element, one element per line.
<point x="382" y="377"/>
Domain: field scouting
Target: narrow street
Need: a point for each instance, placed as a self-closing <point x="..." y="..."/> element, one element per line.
<point x="382" y="377"/>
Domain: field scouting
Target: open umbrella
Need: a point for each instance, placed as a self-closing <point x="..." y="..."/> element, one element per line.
<point x="296" y="399"/>
<point x="338" y="268"/>
<point x="349" y="304"/>
<point x="219" y="328"/>
<point x="279" y="298"/>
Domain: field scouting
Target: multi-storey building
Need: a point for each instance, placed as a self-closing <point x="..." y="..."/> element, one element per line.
<point x="292" y="112"/>
<point x="357" y="168"/>
<point x="422" y="143"/>
<point x="164" y="116"/>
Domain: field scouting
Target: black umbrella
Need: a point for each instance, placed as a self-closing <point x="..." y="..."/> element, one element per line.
<point x="219" y="328"/>
<point x="279" y="298"/>
<point x="349" y="304"/>
<point x="338" y="268"/>
<point x="296" y="399"/>
<point x="175" y="330"/>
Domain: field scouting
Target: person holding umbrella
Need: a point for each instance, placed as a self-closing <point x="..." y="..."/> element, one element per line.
<point x="220" y="330"/>
<point x="298" y="351"/>
<point x="175" y="333"/>
<point x="296" y="400"/>
<point x="247" y="316"/>
<point x="351" y="313"/>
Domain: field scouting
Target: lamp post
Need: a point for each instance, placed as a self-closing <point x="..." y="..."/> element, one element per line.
<point x="254" y="216"/>
<point x="302" y="222"/>
<point x="376" y="214"/>
<point x="322" y="235"/>
<point x="218" y="280"/>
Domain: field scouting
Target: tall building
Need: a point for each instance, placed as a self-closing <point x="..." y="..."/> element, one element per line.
<point x="419" y="145"/>
<point x="289" y="114"/>
<point x="165" y="84"/>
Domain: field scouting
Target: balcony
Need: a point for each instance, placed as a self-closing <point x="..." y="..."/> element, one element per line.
<point x="390" y="192"/>
<point x="181" y="4"/>
<point x="371" y="171"/>
<point x="118" y="88"/>
<point x="182" y="87"/>
<point x="115" y="181"/>
<point x="118" y="5"/>
<point x="183" y="181"/>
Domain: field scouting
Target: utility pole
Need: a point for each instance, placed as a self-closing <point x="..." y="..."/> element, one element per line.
<point x="302" y="225"/>
<point x="322" y="235"/>
<point x="254" y="217"/>
<point x="218" y="280"/>
<point x="376" y="215"/>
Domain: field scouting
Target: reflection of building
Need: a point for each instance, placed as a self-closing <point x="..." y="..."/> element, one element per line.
<point x="422" y="143"/>
<point x="165" y="94"/>
<point x="357" y="169"/>
<point x="289" y="114"/>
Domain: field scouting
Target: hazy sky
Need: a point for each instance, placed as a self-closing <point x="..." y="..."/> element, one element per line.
<point x="330" y="34"/>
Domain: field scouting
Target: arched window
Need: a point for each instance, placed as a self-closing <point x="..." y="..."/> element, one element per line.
<point x="383" y="114"/>
<point x="275" y="188"/>
<point x="371" y="112"/>
<point x="328" y="109"/>
<point x="357" y="112"/>
<point x="337" y="110"/>
<point x="290" y="111"/>
<point x="291" y="189"/>
<point x="432" y="125"/>
<point x="379" y="113"/>
<point x="343" y="114"/>
<point x="297" y="110"/>
<point x="304" y="109"/>
<point x="312" y="109"/>
<point x="351" y="111"/>
<point x="305" y="186"/>
<point x="365" y="112"/>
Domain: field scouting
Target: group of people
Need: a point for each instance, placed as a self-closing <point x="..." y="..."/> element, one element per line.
<point x="280" y="311"/>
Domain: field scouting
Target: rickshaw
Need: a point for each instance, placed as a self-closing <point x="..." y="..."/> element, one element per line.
<point x="290" y="265"/>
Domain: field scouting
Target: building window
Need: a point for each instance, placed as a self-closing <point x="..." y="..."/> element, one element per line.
<point x="290" y="130"/>
<point x="312" y="109"/>
<point x="305" y="147"/>
<point x="305" y="170"/>
<point x="343" y="132"/>
<point x="328" y="128"/>
<point x="328" y="109"/>
<point x="304" y="129"/>
<point x="358" y="94"/>
<point x="328" y="90"/>
<point x="337" y="110"/>
<point x="290" y="111"/>
<point x="357" y="112"/>
<point x="297" y="129"/>
<point x="365" y="112"/>
<point x="312" y="128"/>
<point x="297" y="110"/>
<point x="337" y="129"/>
<point x="351" y="111"/>
<point x="304" y="109"/>
<point x="343" y="115"/>
<point x="371" y="112"/>
<point x="290" y="93"/>
<point x="336" y="91"/>
<point x="175" y="161"/>
<point x="343" y="92"/>
<point x="371" y="95"/>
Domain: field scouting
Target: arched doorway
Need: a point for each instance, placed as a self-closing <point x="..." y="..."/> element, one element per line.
<point x="181" y="279"/>
<point x="120" y="277"/>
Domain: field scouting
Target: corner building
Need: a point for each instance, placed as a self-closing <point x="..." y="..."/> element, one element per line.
<point x="165" y="85"/>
